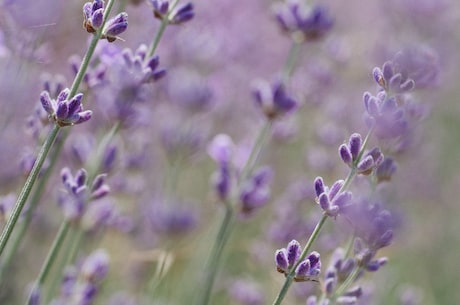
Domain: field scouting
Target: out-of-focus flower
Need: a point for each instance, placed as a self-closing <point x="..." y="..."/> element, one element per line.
<point x="419" y="63"/>
<point x="247" y="292"/>
<point x="255" y="191"/>
<point x="175" y="219"/>
<point x="385" y="115"/>
<point x="273" y="99"/>
<point x="145" y="70"/>
<point x="74" y="201"/>
<point x="391" y="80"/>
<point x="6" y="205"/>
<point x="221" y="150"/>
<point x="182" y="13"/>
<point x="65" y="112"/>
<point x="303" y="23"/>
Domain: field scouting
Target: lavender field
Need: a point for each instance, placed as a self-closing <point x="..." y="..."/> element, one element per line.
<point x="166" y="152"/>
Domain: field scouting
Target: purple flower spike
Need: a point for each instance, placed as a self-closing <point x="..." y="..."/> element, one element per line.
<point x="273" y="100"/>
<point x="115" y="26"/>
<point x="65" y="112"/>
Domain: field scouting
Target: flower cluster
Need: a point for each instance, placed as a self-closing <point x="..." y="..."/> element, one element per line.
<point x="288" y="260"/>
<point x="93" y="13"/>
<point x="65" y="112"/>
<point x="253" y="191"/>
<point x="81" y="284"/>
<point x="350" y="154"/>
<point x="332" y="200"/>
<point x="74" y="201"/>
<point x="303" y="23"/>
<point x="273" y="99"/>
<point x="182" y="13"/>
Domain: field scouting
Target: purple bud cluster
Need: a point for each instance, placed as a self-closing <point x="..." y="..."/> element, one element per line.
<point x="332" y="200"/>
<point x="288" y="261"/>
<point x="273" y="99"/>
<point x="351" y="155"/>
<point x="182" y="13"/>
<point x="147" y="70"/>
<point x="77" y="196"/>
<point x="303" y="23"/>
<point x="81" y="283"/>
<point x="93" y="14"/>
<point x="65" y="112"/>
<point x="253" y="192"/>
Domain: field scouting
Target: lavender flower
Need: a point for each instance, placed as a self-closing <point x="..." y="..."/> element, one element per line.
<point x="332" y="201"/>
<point x="93" y="13"/>
<point x="95" y="266"/>
<point x="255" y="192"/>
<point x="182" y="13"/>
<point x="146" y="70"/>
<point x="391" y="80"/>
<point x="288" y="258"/>
<point x="350" y="154"/>
<point x="301" y="22"/>
<point x="273" y="99"/>
<point x="385" y="170"/>
<point x="385" y="115"/>
<point x="221" y="150"/>
<point x="74" y="200"/>
<point x="115" y="26"/>
<point x="65" y="112"/>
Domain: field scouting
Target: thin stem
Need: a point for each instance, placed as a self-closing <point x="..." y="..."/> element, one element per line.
<point x="216" y="253"/>
<point x="22" y="198"/>
<point x="345" y="285"/>
<point x="50" y="258"/>
<point x="291" y="61"/>
<point x="289" y="278"/>
<point x="158" y="35"/>
<point x="35" y="198"/>
<point x="255" y="152"/>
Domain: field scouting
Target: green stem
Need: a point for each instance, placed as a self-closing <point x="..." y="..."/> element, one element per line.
<point x="290" y="277"/>
<point x="22" y="198"/>
<point x="50" y="258"/>
<point x="24" y="224"/>
<point x="216" y="253"/>
<point x="290" y="64"/>
<point x="255" y="152"/>
<point x="158" y="35"/>
<point x="345" y="285"/>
